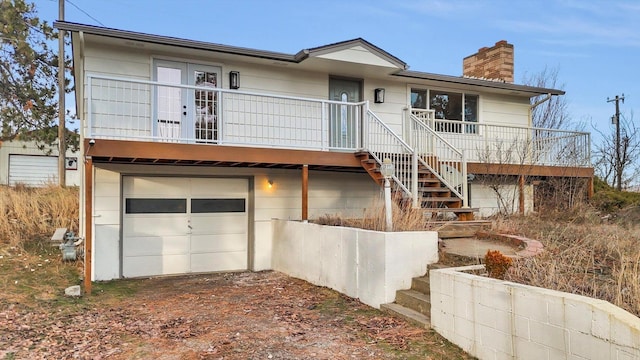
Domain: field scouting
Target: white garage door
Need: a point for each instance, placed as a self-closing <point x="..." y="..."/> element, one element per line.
<point x="182" y="225"/>
<point x="32" y="170"/>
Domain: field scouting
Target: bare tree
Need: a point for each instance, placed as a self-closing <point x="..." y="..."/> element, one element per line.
<point x="606" y="165"/>
<point x="554" y="112"/>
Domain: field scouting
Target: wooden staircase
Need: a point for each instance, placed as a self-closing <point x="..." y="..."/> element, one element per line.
<point x="434" y="197"/>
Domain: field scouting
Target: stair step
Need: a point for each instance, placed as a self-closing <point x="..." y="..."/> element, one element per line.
<point x="433" y="189"/>
<point x="421" y="284"/>
<point x="428" y="211"/>
<point x="440" y="199"/>
<point x="407" y="314"/>
<point x="414" y="300"/>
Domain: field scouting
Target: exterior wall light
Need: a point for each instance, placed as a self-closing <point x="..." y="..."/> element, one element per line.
<point x="270" y="184"/>
<point x="378" y="97"/>
<point x="234" y="80"/>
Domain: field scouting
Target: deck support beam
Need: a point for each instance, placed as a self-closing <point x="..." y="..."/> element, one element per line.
<point x="88" y="223"/>
<point x="305" y="193"/>
<point x="521" y="194"/>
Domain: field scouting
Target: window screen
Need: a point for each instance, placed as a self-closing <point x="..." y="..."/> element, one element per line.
<point x="156" y="206"/>
<point x="199" y="206"/>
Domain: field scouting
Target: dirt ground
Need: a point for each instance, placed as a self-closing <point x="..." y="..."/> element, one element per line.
<point x="264" y="315"/>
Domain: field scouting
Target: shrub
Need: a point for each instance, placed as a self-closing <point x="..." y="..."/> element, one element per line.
<point x="497" y="264"/>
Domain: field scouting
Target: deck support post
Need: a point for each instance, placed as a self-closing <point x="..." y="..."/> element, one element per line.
<point x="305" y="193"/>
<point x="88" y="223"/>
<point x="590" y="189"/>
<point x="521" y="194"/>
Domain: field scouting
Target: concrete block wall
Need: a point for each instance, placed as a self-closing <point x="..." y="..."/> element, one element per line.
<point x="363" y="264"/>
<point x="494" y="319"/>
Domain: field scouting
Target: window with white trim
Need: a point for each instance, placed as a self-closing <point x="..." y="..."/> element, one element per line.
<point x="452" y="108"/>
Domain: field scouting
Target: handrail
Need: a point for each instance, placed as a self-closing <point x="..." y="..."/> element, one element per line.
<point x="383" y="143"/>
<point x="445" y="161"/>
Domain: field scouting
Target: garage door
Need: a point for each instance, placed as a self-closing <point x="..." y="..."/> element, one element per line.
<point x="182" y="225"/>
<point x="32" y="170"/>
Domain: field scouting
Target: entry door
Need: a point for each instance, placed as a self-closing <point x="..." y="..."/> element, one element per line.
<point x="187" y="114"/>
<point x="344" y="121"/>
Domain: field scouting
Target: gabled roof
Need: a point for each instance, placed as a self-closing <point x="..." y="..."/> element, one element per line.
<point x="341" y="51"/>
<point x="358" y="43"/>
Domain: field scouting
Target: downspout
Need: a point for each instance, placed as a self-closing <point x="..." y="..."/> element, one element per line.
<point x="546" y="98"/>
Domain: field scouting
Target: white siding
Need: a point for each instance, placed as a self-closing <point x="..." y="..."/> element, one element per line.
<point x="484" y="196"/>
<point x="504" y="110"/>
<point x="329" y="193"/>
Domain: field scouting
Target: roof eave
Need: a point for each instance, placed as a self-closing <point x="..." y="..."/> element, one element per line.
<point x="478" y="82"/>
<point x="167" y="40"/>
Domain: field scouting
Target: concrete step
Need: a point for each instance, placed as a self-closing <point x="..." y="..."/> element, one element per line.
<point x="457" y="229"/>
<point x="421" y="284"/>
<point x="414" y="300"/>
<point x="405" y="313"/>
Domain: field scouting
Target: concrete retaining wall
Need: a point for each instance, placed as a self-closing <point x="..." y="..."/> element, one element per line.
<point x="363" y="264"/>
<point x="493" y="319"/>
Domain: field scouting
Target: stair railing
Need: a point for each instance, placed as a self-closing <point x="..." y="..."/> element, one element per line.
<point x="383" y="143"/>
<point x="435" y="153"/>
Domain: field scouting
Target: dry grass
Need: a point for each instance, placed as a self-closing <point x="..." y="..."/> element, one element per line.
<point x="31" y="269"/>
<point x="373" y="218"/>
<point x="34" y="213"/>
<point x="583" y="255"/>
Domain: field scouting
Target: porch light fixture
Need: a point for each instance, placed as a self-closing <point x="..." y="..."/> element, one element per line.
<point x="270" y="184"/>
<point x="234" y="80"/>
<point x="378" y="97"/>
<point x="387" y="169"/>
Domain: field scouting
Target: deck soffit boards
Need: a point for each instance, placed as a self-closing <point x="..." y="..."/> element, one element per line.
<point x="357" y="57"/>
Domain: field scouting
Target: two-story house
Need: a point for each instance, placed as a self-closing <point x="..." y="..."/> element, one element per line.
<point x="190" y="148"/>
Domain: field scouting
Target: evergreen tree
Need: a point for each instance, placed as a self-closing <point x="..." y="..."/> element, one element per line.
<point x="28" y="75"/>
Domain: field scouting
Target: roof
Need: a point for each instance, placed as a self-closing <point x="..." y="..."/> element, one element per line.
<point x="301" y="55"/>
<point x="462" y="80"/>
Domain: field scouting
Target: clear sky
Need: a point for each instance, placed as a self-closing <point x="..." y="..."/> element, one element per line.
<point x="595" y="44"/>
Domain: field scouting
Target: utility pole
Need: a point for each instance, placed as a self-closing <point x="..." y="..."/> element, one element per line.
<point x="62" y="146"/>
<point x="616" y="120"/>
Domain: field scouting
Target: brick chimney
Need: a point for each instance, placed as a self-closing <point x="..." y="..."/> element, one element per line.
<point x="495" y="63"/>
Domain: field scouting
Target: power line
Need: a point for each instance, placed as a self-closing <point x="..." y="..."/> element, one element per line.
<point x="84" y="12"/>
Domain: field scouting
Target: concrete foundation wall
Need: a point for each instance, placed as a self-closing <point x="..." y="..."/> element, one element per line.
<point x="494" y="319"/>
<point x="363" y="264"/>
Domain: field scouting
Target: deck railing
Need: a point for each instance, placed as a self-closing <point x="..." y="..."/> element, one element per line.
<point x="129" y="109"/>
<point x="507" y="144"/>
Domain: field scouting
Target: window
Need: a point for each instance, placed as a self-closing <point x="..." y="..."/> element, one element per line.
<point x="200" y="206"/>
<point x="449" y="106"/>
<point x="156" y="206"/>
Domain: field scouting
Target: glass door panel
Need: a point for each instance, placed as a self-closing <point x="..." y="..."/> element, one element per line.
<point x="205" y="103"/>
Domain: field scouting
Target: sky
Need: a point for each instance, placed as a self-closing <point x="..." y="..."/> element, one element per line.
<point x="594" y="44"/>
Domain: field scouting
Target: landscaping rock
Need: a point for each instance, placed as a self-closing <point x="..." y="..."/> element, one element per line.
<point x="73" y="291"/>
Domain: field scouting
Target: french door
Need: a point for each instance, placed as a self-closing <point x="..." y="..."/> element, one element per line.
<point x="186" y="114"/>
